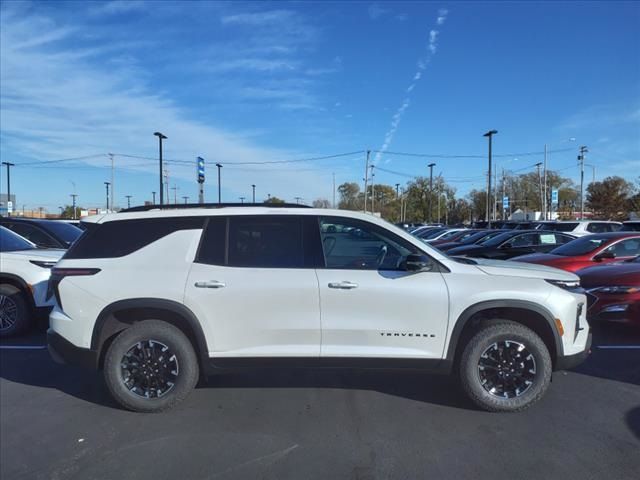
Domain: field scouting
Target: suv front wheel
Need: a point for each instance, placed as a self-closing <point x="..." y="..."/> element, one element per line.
<point x="505" y="367"/>
<point x="150" y="367"/>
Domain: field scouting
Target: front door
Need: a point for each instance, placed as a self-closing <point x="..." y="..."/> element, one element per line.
<point x="253" y="288"/>
<point x="370" y="305"/>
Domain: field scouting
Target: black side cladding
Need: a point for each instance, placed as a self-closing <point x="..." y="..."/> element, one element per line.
<point x="122" y="237"/>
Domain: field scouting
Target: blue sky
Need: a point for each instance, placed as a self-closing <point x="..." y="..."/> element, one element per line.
<point x="252" y="82"/>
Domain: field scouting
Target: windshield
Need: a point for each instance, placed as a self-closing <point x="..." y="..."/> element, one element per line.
<point x="67" y="232"/>
<point x="580" y="246"/>
<point x="498" y="239"/>
<point x="432" y="233"/>
<point x="12" y="242"/>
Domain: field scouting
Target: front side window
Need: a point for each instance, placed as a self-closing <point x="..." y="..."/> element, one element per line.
<point x="266" y="242"/>
<point x="626" y="248"/>
<point x="360" y="245"/>
<point x="525" y="240"/>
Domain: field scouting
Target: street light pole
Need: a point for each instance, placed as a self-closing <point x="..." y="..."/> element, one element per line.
<point x="128" y="200"/>
<point x="73" y="196"/>
<point x="154" y="197"/>
<point x="185" y="199"/>
<point x="106" y="184"/>
<point x="160" y="138"/>
<point x="431" y="165"/>
<point x="542" y="200"/>
<point x="581" y="158"/>
<point x="490" y="135"/>
<point x="241" y="199"/>
<point x="9" y="165"/>
<point x="219" y="165"/>
<point x="254" y="192"/>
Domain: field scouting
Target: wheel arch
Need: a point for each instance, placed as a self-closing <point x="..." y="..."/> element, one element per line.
<point x="529" y="314"/>
<point x="122" y="314"/>
<point x="20" y="284"/>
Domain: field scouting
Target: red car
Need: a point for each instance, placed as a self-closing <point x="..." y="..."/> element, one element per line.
<point x="613" y="291"/>
<point x="588" y="251"/>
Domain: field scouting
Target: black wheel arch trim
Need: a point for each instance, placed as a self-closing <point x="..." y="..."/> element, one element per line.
<point x="169" y="306"/>
<point x="14" y="279"/>
<point x="467" y="314"/>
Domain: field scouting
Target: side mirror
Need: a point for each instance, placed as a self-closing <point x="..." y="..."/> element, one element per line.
<point x="604" y="255"/>
<point x="417" y="263"/>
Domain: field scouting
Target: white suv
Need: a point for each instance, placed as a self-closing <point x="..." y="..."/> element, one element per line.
<point x="158" y="298"/>
<point x="24" y="273"/>
<point x="581" y="228"/>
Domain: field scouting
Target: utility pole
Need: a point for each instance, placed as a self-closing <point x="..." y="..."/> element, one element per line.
<point x="538" y="165"/>
<point x="373" y="190"/>
<point x="175" y="194"/>
<point x="581" y="158"/>
<point x="160" y="138"/>
<point x="495" y="195"/>
<point x="241" y="199"/>
<point x="254" y="192"/>
<point x="334" y="189"/>
<point x="366" y="178"/>
<point x="73" y="196"/>
<point x="397" y="191"/>
<point x="128" y="199"/>
<point x="9" y="165"/>
<point x="298" y="200"/>
<point x="544" y="190"/>
<point x="431" y="165"/>
<point x="185" y="199"/>
<point x="106" y="184"/>
<point x="490" y="135"/>
<point x="113" y="191"/>
<point x="166" y="184"/>
<point x="504" y="194"/>
<point x="154" y="197"/>
<point x="219" y="165"/>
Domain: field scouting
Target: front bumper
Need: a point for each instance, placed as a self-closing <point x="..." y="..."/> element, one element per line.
<point x="63" y="351"/>
<point x="571" y="361"/>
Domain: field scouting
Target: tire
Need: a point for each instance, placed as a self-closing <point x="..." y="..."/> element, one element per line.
<point x="505" y="367"/>
<point x="15" y="314"/>
<point x="129" y="385"/>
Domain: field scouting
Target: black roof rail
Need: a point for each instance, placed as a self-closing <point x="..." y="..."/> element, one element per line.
<point x="176" y="206"/>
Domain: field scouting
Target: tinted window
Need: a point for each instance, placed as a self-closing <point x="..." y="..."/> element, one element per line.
<point x="12" y="242"/>
<point x="525" y="240"/>
<point x="266" y="241"/>
<point x="631" y="227"/>
<point x="120" y="238"/>
<point x="595" y="227"/>
<point x="212" y="246"/>
<point x="580" y="246"/>
<point x="562" y="226"/>
<point x="33" y="234"/>
<point x="363" y="246"/>
<point x="66" y="232"/>
<point x="626" y="248"/>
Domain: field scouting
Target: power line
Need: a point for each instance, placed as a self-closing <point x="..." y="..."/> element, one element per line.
<point x="441" y="155"/>
<point x="43" y="162"/>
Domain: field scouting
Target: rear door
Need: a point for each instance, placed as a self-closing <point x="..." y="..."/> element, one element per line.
<point x="371" y="306"/>
<point x="255" y="287"/>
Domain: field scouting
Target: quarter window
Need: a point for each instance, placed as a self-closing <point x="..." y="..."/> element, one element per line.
<point x="353" y="244"/>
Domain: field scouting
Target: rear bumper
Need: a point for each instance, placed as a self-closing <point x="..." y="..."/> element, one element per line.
<point x="571" y="361"/>
<point x="63" y="351"/>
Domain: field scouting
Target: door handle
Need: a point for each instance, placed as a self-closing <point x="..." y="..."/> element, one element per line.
<point x="343" y="285"/>
<point x="210" y="284"/>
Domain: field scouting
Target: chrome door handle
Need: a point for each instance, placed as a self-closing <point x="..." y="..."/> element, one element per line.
<point x="343" y="285"/>
<point x="210" y="284"/>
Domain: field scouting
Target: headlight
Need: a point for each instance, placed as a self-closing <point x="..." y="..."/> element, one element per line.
<point x="43" y="264"/>
<point x="617" y="290"/>
<point x="571" y="285"/>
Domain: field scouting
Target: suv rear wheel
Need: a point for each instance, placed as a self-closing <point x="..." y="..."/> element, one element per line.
<point x="14" y="311"/>
<point x="150" y="367"/>
<point x="505" y="367"/>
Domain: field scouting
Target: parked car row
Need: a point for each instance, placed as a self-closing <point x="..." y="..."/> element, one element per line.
<point x="607" y="263"/>
<point x="29" y="248"/>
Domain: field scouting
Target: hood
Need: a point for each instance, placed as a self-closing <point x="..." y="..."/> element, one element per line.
<point x="44" y="254"/>
<point x="610" y="274"/>
<point x="539" y="258"/>
<point x="517" y="269"/>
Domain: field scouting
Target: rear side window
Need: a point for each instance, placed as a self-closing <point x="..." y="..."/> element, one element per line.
<point x="563" y="227"/>
<point x="261" y="241"/>
<point x="120" y="238"/>
<point x="33" y="234"/>
<point x="598" y="228"/>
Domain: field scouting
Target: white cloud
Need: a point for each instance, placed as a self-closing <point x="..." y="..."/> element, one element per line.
<point x="442" y="16"/>
<point x="74" y="107"/>
<point x="259" y="18"/>
<point x="375" y="11"/>
<point x="116" y="7"/>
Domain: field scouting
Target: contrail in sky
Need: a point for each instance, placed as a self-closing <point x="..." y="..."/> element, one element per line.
<point x="432" y="47"/>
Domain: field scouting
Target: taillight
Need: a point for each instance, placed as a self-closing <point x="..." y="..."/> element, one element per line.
<point x="57" y="274"/>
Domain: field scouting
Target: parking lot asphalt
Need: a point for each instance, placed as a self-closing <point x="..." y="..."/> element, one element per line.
<point x="58" y="422"/>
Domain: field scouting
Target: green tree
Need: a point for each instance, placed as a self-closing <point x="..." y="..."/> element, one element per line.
<point x="609" y="199"/>
<point x="68" y="212"/>
<point x="350" y="196"/>
<point x="321" y="203"/>
<point x="273" y="200"/>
